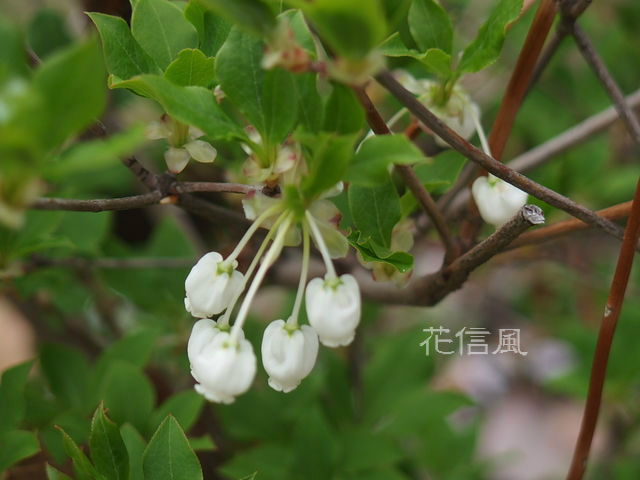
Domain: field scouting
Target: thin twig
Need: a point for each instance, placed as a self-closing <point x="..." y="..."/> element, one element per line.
<point x="600" y="69"/>
<point x="605" y="338"/>
<point x="492" y="165"/>
<point x="379" y="127"/>
<point x="137" y="201"/>
<point x="147" y="178"/>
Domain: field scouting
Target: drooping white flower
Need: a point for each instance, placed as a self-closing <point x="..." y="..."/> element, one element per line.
<point x="211" y="285"/>
<point x="288" y="354"/>
<point x="497" y="200"/>
<point x="183" y="143"/>
<point x="223" y="368"/>
<point x="333" y="308"/>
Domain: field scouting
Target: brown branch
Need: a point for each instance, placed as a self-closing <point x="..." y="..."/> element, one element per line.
<point x="492" y="165"/>
<point x="600" y="69"/>
<point x="147" y="178"/>
<point x="143" y="200"/>
<point x="550" y="232"/>
<point x="379" y="127"/>
<point x="605" y="339"/>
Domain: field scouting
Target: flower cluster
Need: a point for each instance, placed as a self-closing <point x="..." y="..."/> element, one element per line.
<point x="222" y="360"/>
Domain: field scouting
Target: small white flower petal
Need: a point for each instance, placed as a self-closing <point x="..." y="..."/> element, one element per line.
<point x="201" y="151"/>
<point x="177" y="159"/>
<point x="497" y="200"/>
<point x="157" y="131"/>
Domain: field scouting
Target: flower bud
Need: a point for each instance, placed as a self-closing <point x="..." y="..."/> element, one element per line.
<point x="333" y="308"/>
<point x="288" y="354"/>
<point x="211" y="285"/>
<point x="223" y="368"/>
<point x="497" y="200"/>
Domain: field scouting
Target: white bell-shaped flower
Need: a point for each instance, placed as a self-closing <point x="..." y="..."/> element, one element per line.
<point x="288" y="354"/>
<point x="211" y="285"/>
<point x="222" y="367"/>
<point x="497" y="200"/>
<point x="333" y="308"/>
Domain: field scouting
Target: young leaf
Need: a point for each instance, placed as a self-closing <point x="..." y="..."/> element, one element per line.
<point x="327" y="162"/>
<point x="161" y="30"/>
<point x="169" y="455"/>
<point x="71" y="83"/>
<point x="16" y="445"/>
<point x="191" y="67"/>
<point x="81" y="464"/>
<point x="184" y="406"/>
<point x="123" y="55"/>
<point x="343" y="113"/>
<point x="108" y="451"/>
<point x="372" y="251"/>
<point x="48" y="32"/>
<point x="375" y="211"/>
<point x="12" y="403"/>
<point x="135" y="448"/>
<point x="370" y="165"/>
<point x="252" y="15"/>
<point x="430" y="25"/>
<point x="191" y="105"/>
<point x="351" y="27"/>
<point x="212" y="29"/>
<point x="55" y="474"/>
<point x="264" y="97"/>
<point x="435" y="59"/>
<point x="485" y="48"/>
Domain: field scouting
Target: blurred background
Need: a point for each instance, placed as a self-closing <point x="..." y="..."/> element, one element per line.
<point x="380" y="409"/>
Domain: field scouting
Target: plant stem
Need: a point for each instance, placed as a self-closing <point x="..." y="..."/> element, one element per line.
<point x="304" y="270"/>
<point x="322" y="246"/>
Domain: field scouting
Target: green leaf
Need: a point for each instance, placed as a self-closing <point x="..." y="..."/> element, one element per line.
<point x="212" y="29"/>
<point x="370" y="165"/>
<point x="343" y="113"/>
<point x="430" y="25"/>
<point x="191" y="105"/>
<point x="161" y="30"/>
<point x="441" y="171"/>
<point x="135" y="448"/>
<point x="108" y="451"/>
<point x="123" y="55"/>
<point x="310" y="107"/>
<point x="71" y="83"/>
<point x="202" y="444"/>
<point x="264" y="97"/>
<point x="93" y="155"/>
<point x="81" y="464"/>
<point x="314" y="446"/>
<point x="191" y="67"/>
<point x="67" y="372"/>
<point x="16" y="445"/>
<point x="364" y="449"/>
<point x="436" y="60"/>
<point x="375" y="211"/>
<point x="252" y="15"/>
<point x="351" y="27"/>
<point x="372" y="251"/>
<point x="184" y="406"/>
<point x="327" y="162"/>
<point x="485" y="48"/>
<point x="48" y="32"/>
<point x="13" y="60"/>
<point x="128" y="394"/>
<point x="12" y="403"/>
<point x="169" y="455"/>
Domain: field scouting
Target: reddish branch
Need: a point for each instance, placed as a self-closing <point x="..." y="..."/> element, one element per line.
<point x="520" y="77"/>
<point x="605" y="339"/>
